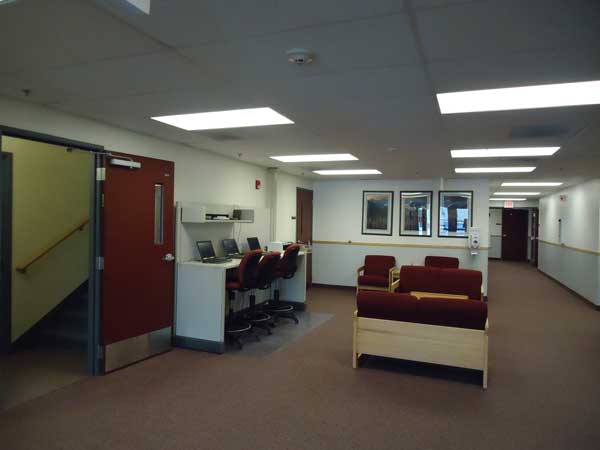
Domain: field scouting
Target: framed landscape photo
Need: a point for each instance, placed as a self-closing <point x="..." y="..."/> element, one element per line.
<point x="377" y="212"/>
<point x="455" y="213"/>
<point x="415" y="213"/>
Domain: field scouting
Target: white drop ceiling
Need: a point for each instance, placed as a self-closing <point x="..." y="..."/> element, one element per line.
<point x="378" y="65"/>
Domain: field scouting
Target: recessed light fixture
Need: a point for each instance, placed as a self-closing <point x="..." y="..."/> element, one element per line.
<point x="517" y="193"/>
<point x="348" y="172"/>
<point x="504" y="152"/>
<point x="533" y="184"/>
<point x="493" y="169"/>
<point x="509" y="199"/>
<point x="235" y="118"/>
<point x="315" y="158"/>
<point x="525" y="97"/>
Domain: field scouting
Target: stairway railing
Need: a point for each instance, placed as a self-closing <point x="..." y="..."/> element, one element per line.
<point x="22" y="268"/>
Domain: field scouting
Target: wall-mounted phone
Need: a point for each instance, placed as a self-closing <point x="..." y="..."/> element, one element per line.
<point x="474" y="241"/>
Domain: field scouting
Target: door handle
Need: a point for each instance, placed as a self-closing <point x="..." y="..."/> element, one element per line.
<point x="168" y="257"/>
<point x="505" y="235"/>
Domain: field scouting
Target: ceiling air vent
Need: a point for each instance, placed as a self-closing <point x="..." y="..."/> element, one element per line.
<point x="540" y="131"/>
<point x="223" y="137"/>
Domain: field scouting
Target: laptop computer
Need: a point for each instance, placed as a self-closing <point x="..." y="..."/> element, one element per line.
<point x="207" y="253"/>
<point x="231" y="249"/>
<point x="253" y="243"/>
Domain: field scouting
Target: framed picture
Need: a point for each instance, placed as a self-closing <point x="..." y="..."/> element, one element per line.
<point x="377" y="212"/>
<point x="455" y="213"/>
<point x="415" y="213"/>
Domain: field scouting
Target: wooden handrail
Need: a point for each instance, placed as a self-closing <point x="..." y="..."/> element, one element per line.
<point x="22" y="268"/>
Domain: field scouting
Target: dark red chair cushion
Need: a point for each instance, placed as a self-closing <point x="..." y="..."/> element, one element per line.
<point x="267" y="269"/>
<point x="443" y="262"/>
<point x="444" y="281"/>
<point x="379" y="265"/>
<point x="445" y="312"/>
<point x="388" y="306"/>
<point x="461" y="281"/>
<point x="373" y="280"/>
<point x="247" y="272"/>
<point x="452" y="313"/>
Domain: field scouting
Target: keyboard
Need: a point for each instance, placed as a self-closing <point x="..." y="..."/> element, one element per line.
<point x="216" y="260"/>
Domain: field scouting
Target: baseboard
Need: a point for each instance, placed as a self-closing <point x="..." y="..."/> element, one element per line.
<point x="199" y="344"/>
<point x="575" y="293"/>
<point x="333" y="286"/>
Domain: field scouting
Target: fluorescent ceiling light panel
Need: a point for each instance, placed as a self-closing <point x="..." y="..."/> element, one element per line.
<point x="235" y="118"/>
<point x="509" y="199"/>
<point x="348" y="172"/>
<point x="517" y="193"/>
<point x="504" y="152"/>
<point x="494" y="169"/>
<point x="532" y="184"/>
<point x="142" y="5"/>
<point x="526" y="97"/>
<point x="316" y="158"/>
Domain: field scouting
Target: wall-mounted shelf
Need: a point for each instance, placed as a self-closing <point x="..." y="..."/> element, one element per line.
<point x="197" y="214"/>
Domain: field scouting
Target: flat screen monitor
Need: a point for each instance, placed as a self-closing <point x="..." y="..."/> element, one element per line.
<point x="230" y="247"/>
<point x="206" y="249"/>
<point x="253" y="243"/>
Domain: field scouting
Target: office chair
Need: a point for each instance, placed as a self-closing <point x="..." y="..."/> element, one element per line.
<point x="286" y="269"/>
<point x="265" y="275"/>
<point x="244" y="280"/>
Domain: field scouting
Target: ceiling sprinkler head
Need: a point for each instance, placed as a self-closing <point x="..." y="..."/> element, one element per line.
<point x="299" y="56"/>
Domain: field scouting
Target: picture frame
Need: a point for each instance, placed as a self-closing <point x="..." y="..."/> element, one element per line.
<point x="377" y="212"/>
<point x="416" y="213"/>
<point x="455" y="214"/>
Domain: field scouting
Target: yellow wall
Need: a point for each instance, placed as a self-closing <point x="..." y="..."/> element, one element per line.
<point x="51" y="195"/>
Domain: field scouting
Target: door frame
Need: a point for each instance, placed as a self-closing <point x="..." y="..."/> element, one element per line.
<point x="5" y="249"/>
<point x="94" y="294"/>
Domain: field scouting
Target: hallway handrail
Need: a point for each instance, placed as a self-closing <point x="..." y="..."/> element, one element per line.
<point x="22" y="268"/>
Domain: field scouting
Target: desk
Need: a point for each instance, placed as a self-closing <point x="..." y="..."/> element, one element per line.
<point x="201" y="301"/>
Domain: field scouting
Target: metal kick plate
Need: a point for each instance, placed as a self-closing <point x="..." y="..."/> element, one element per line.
<point x="129" y="351"/>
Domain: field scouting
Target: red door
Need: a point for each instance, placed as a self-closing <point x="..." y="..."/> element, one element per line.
<point x="138" y="247"/>
<point x="514" y="234"/>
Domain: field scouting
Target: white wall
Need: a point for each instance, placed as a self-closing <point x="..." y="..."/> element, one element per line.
<point x="338" y="217"/>
<point x="200" y="176"/>
<point x="495" y="232"/>
<point x="285" y="186"/>
<point x="575" y="263"/>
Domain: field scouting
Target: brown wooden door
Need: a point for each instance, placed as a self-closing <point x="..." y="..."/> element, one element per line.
<point x="138" y="247"/>
<point x="514" y="234"/>
<point x="304" y="222"/>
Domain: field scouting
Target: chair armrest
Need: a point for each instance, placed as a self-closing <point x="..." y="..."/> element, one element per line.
<point x="394" y="285"/>
<point x="360" y="269"/>
<point x="391" y="274"/>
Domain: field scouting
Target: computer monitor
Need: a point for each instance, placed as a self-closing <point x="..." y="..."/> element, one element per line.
<point x="206" y="249"/>
<point x="230" y="246"/>
<point x="253" y="243"/>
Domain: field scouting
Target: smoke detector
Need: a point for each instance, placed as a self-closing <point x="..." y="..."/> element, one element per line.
<point x="299" y="56"/>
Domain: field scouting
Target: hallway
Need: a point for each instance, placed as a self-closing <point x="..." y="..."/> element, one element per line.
<point x="544" y="366"/>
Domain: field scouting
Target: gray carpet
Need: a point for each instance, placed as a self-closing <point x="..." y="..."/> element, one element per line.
<point x="543" y="390"/>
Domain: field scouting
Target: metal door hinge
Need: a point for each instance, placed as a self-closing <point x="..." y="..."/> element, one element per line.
<point x="102" y="201"/>
<point x="100" y="263"/>
<point x="100" y="352"/>
<point x="100" y="174"/>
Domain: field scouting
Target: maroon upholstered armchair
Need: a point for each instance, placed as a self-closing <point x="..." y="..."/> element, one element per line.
<point x="376" y="274"/>
<point x="443" y="262"/>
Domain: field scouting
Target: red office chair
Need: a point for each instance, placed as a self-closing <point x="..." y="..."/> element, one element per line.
<point x="443" y="262"/>
<point x="245" y="279"/>
<point x="286" y="269"/>
<point x="265" y="275"/>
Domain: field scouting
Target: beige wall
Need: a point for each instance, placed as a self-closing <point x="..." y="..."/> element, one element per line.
<point x="51" y="194"/>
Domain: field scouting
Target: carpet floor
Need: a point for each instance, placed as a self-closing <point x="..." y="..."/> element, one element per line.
<point x="543" y="389"/>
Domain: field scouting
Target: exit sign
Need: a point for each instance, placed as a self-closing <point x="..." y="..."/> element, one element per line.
<point x="509" y="204"/>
